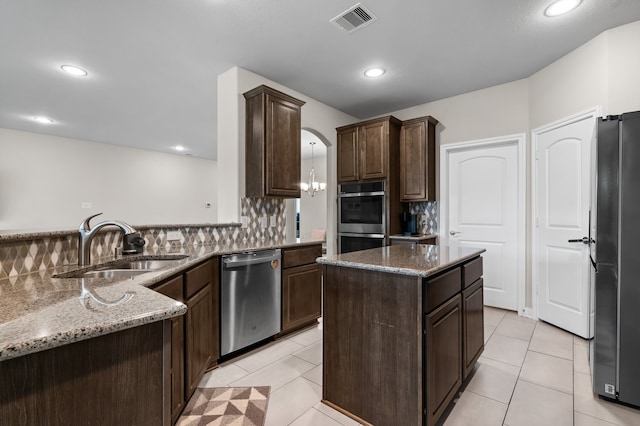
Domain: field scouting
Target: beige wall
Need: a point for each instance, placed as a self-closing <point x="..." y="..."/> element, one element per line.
<point x="313" y="210"/>
<point x="44" y="179"/>
<point x="624" y="69"/>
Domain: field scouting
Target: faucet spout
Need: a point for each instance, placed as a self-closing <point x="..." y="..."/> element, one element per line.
<point x="86" y="233"/>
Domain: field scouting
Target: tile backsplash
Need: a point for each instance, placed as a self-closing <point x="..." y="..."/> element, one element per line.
<point x="39" y="252"/>
<point x="426" y="216"/>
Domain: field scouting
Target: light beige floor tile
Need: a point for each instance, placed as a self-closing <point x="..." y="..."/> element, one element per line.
<point x="277" y="374"/>
<point x="222" y="376"/>
<point x="260" y="359"/>
<point x="313" y="417"/>
<point x="552" y="341"/>
<point x="493" y="316"/>
<point x="534" y="405"/>
<point x="581" y="359"/>
<point x="494" y="379"/>
<point x="577" y="340"/>
<point x="514" y="328"/>
<point x="506" y="349"/>
<point x="335" y="415"/>
<point x="315" y="375"/>
<point x="472" y="409"/>
<point x="488" y="331"/>
<point x="548" y="371"/>
<point x="312" y="353"/>
<point x="586" y="402"/>
<point x="307" y="337"/>
<point x="513" y="315"/>
<point x="580" y="419"/>
<point x="291" y="401"/>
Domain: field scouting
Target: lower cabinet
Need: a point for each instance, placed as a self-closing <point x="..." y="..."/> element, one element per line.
<point x="194" y="336"/>
<point x="301" y="287"/>
<point x="473" y="325"/>
<point x="443" y="331"/>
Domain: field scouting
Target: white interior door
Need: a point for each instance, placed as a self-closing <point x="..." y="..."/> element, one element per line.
<point x="562" y="179"/>
<point x="483" y="209"/>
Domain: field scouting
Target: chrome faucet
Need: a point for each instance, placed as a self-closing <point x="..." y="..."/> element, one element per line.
<point x="86" y="234"/>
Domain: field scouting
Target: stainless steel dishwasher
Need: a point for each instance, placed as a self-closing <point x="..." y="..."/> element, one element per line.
<point x="250" y="297"/>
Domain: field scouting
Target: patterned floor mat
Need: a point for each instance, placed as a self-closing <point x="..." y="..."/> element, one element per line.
<point x="226" y="407"/>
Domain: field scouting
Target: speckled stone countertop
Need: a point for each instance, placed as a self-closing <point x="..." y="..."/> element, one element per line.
<point x="413" y="237"/>
<point x="38" y="311"/>
<point x="419" y="260"/>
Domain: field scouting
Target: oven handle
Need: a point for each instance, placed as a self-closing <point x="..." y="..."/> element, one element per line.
<point x="361" y="194"/>
<point x="351" y="234"/>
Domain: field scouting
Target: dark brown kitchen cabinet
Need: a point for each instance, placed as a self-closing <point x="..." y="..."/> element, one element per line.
<point x="301" y="287"/>
<point x="199" y="323"/>
<point x="417" y="159"/>
<point x="443" y="352"/>
<point x="472" y="325"/>
<point x="194" y="336"/>
<point x="174" y="289"/>
<point x="368" y="150"/>
<point x="272" y="150"/>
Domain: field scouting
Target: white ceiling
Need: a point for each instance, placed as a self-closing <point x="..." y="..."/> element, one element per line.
<point x="154" y="64"/>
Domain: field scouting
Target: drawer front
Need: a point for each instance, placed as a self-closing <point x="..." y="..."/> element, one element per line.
<point x="198" y="278"/>
<point x="471" y="271"/>
<point x="301" y="256"/>
<point x="441" y="288"/>
<point x="172" y="288"/>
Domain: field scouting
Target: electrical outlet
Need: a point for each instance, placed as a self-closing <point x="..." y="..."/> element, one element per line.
<point x="174" y="235"/>
<point x="263" y="222"/>
<point x="272" y="221"/>
<point x="86" y="205"/>
<point x="244" y="221"/>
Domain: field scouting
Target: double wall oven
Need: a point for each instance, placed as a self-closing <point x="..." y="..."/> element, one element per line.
<point x="361" y="216"/>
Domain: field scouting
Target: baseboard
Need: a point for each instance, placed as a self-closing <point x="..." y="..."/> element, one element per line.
<point x="527" y="312"/>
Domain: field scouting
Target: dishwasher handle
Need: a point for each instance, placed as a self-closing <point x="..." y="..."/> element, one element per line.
<point x="236" y="263"/>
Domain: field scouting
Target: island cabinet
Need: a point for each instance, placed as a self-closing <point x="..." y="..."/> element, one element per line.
<point x="397" y="347"/>
<point x="368" y="150"/>
<point x="272" y="150"/>
<point x="194" y="336"/>
<point x="418" y="159"/>
<point x="301" y="287"/>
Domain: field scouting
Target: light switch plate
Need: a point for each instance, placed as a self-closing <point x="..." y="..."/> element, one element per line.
<point x="244" y="221"/>
<point x="263" y="222"/>
<point x="174" y="235"/>
<point x="272" y="221"/>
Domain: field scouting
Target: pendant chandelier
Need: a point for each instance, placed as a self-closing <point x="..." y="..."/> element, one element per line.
<point x="312" y="185"/>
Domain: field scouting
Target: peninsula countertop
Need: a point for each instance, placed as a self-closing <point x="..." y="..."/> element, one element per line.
<point x="420" y="260"/>
<point x="38" y="311"/>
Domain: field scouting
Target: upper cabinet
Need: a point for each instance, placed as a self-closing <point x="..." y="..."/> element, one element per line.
<point x="366" y="150"/>
<point x="417" y="159"/>
<point x="272" y="150"/>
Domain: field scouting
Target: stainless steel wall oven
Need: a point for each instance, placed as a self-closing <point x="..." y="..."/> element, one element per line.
<point x="361" y="216"/>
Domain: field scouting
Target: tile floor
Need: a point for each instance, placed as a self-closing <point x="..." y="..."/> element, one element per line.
<point x="530" y="373"/>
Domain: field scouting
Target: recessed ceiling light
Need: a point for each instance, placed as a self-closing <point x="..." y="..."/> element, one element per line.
<point x="43" y="120"/>
<point x="374" y="72"/>
<point x="561" y="7"/>
<point x="75" y="71"/>
<point x="179" y="148"/>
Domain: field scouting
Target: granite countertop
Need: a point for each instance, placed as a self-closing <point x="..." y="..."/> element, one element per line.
<point x="413" y="237"/>
<point x="405" y="259"/>
<point x="38" y="311"/>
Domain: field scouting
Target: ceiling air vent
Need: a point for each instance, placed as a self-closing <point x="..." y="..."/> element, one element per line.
<point x="354" y="18"/>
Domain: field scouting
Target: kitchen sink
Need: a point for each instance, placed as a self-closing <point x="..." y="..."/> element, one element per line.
<point x="123" y="268"/>
<point x="113" y="273"/>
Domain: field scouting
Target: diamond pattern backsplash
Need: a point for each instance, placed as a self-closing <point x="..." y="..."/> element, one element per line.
<point x="24" y="256"/>
<point x="426" y="216"/>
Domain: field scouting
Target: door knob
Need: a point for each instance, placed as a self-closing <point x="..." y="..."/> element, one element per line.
<point x="453" y="232"/>
<point x="583" y="240"/>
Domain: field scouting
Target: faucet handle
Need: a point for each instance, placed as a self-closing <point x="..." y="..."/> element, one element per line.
<point x="84" y="226"/>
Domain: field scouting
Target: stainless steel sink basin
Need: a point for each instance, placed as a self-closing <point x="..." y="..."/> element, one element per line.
<point x="113" y="273"/>
<point x="150" y="264"/>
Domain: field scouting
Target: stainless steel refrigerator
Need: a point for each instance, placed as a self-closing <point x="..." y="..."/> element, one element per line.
<point x="615" y="255"/>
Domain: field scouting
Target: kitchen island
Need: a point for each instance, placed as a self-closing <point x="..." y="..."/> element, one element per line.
<point x="403" y="327"/>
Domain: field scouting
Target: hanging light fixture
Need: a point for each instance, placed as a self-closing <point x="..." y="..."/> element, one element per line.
<point x="312" y="186"/>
